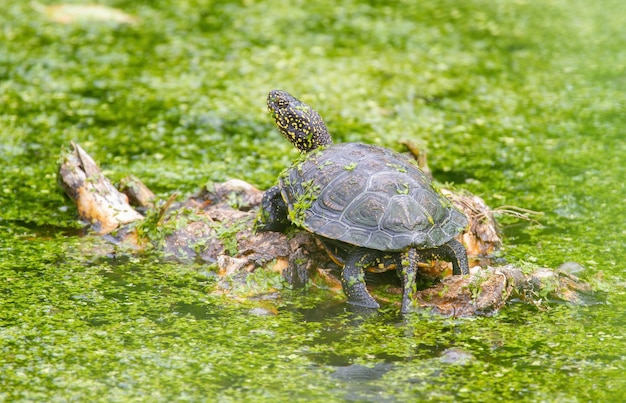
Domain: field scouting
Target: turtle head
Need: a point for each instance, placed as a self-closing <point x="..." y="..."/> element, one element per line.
<point x="297" y="121"/>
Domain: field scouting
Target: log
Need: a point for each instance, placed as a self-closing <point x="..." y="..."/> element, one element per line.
<point x="216" y="226"/>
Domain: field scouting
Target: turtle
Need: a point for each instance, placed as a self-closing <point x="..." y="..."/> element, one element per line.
<point x="365" y="203"/>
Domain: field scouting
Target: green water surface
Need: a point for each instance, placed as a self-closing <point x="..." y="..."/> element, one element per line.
<point x="522" y="102"/>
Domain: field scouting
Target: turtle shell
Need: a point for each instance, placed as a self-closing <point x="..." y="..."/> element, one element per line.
<point x="368" y="196"/>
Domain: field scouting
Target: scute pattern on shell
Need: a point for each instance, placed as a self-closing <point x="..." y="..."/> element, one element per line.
<point x="370" y="197"/>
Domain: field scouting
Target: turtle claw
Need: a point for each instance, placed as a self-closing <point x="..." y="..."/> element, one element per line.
<point x="355" y="290"/>
<point x="363" y="301"/>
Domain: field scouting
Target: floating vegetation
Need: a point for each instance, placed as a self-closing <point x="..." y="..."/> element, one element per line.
<point x="519" y="102"/>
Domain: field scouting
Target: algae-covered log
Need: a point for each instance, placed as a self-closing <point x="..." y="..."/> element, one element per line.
<point x="487" y="289"/>
<point x="216" y="226"/>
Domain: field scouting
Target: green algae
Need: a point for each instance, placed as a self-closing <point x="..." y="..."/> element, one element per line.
<point x="520" y="102"/>
<point x="303" y="202"/>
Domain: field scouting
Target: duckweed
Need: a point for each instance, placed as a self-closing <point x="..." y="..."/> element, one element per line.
<point x="520" y="102"/>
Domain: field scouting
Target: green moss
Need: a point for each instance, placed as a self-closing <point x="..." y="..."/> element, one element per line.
<point x="159" y="223"/>
<point x="403" y="189"/>
<point x="398" y="167"/>
<point x="304" y="201"/>
<point x="227" y="233"/>
<point x="324" y="165"/>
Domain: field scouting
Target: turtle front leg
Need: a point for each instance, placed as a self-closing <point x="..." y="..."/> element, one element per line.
<point x="353" y="279"/>
<point x="406" y="266"/>
<point x="273" y="212"/>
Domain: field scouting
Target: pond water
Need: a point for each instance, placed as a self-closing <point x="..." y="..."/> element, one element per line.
<point x="520" y="102"/>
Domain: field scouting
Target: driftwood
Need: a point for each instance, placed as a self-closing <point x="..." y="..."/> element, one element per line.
<point x="99" y="203"/>
<point x="216" y="226"/>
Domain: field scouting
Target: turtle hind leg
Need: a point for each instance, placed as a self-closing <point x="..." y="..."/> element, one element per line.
<point x="353" y="278"/>
<point x="454" y="252"/>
